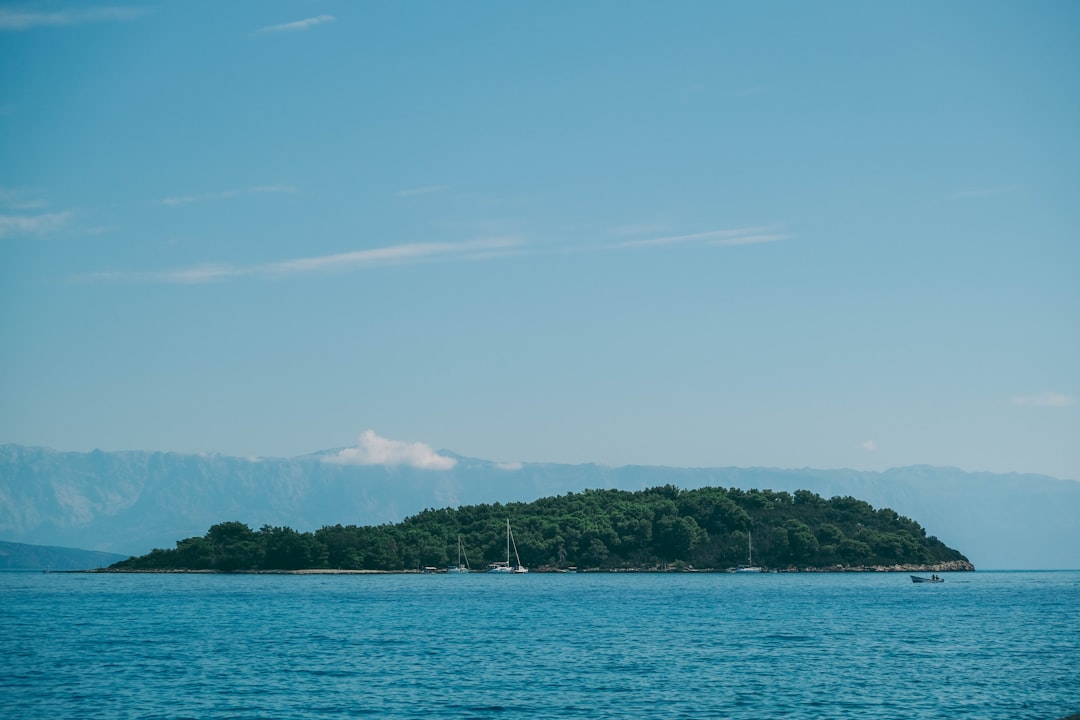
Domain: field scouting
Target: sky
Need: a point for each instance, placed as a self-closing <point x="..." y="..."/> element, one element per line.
<point x="784" y="234"/>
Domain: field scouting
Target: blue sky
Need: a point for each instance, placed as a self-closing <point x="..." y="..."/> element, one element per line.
<point x="699" y="233"/>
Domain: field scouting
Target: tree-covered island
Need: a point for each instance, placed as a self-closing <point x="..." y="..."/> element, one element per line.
<point x="659" y="528"/>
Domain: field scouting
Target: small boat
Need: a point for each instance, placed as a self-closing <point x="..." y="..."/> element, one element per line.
<point x="931" y="579"/>
<point x="749" y="567"/>
<point x="461" y="567"/>
<point x="506" y="567"/>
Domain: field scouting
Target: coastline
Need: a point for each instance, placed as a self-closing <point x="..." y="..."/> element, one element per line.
<point x="952" y="566"/>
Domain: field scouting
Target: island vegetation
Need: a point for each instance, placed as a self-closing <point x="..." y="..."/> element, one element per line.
<point x="659" y="528"/>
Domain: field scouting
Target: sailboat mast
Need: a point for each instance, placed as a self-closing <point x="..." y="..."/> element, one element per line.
<point x="517" y="558"/>
<point x="507" y="541"/>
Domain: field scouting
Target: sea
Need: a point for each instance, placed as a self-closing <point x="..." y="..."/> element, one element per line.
<point x="587" y="645"/>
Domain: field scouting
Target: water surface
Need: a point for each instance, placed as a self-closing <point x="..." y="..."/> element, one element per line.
<point x="980" y="645"/>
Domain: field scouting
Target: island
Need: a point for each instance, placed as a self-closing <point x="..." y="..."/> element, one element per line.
<point x="658" y="529"/>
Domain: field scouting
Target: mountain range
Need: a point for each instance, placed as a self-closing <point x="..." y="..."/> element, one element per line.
<point x="133" y="501"/>
<point x="17" y="556"/>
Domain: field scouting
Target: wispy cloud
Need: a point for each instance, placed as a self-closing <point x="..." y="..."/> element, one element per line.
<point x="21" y="199"/>
<point x="738" y="236"/>
<point x="1045" y="399"/>
<point x="32" y="224"/>
<point x="636" y="229"/>
<point x="299" y="25"/>
<point x="375" y="450"/>
<point x="392" y="255"/>
<point x="869" y="446"/>
<point x="425" y="190"/>
<point x="226" y="194"/>
<point x="22" y="20"/>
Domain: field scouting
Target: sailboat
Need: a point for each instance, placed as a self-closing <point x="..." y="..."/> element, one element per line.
<point x="749" y="567"/>
<point x="506" y="567"/>
<point x="461" y="568"/>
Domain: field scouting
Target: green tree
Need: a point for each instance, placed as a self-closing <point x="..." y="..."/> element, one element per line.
<point x="235" y="546"/>
<point x="286" y="549"/>
<point x="802" y="545"/>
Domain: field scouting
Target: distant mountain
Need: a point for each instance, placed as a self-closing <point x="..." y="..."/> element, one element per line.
<point x="131" y="502"/>
<point x="17" y="556"/>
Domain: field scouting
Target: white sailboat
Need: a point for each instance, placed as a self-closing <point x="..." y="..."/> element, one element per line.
<point x="749" y="567"/>
<point x="506" y="567"/>
<point x="460" y="568"/>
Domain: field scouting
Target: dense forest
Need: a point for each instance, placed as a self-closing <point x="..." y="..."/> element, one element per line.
<point x="662" y="527"/>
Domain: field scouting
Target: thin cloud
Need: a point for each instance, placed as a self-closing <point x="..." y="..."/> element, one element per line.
<point x="226" y="194"/>
<point x="869" y="446"/>
<point x="1045" y="399"/>
<point x="18" y="20"/>
<point x="391" y="255"/>
<point x="299" y="25"/>
<point x="395" y="253"/>
<point x="630" y="230"/>
<point x="198" y="275"/>
<point x="375" y="450"/>
<point x="738" y="236"/>
<point x="20" y="199"/>
<point x="32" y="224"/>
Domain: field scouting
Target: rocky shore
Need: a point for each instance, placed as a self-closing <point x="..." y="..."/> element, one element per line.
<point x="952" y="566"/>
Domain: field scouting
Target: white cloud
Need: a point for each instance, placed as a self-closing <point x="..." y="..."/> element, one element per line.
<point x="18" y="20"/>
<point x="200" y="274"/>
<point x="393" y="254"/>
<point x="375" y="450"/>
<point x="32" y="224"/>
<point x="299" y="25"/>
<point x="869" y="446"/>
<point x="738" y="236"/>
<point x="635" y="229"/>
<point x="1045" y="399"/>
<point x="471" y="250"/>
<point x="226" y="194"/>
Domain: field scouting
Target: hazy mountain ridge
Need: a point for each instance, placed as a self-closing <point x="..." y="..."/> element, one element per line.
<point x="19" y="556"/>
<point x="132" y="501"/>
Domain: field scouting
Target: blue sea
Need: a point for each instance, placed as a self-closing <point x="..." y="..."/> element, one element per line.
<point x="981" y="645"/>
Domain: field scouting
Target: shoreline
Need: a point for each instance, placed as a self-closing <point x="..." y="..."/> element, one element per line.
<point x="952" y="566"/>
